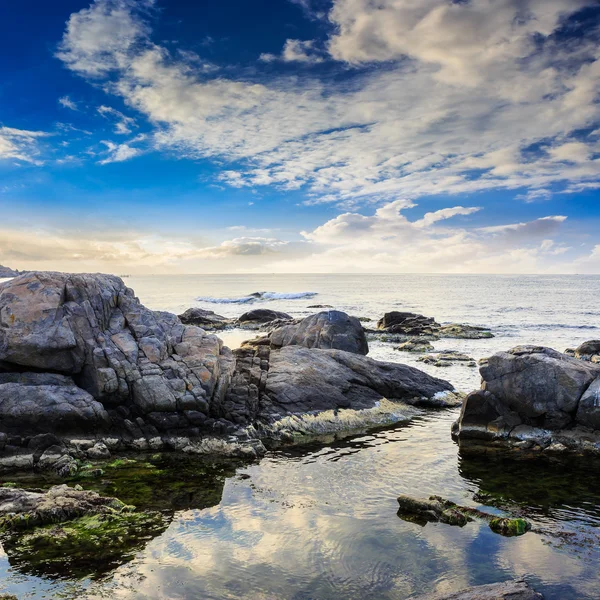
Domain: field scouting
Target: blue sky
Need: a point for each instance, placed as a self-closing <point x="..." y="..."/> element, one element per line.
<point x="159" y="136"/>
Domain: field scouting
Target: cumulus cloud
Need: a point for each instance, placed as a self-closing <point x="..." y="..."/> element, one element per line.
<point x="474" y="96"/>
<point x="243" y="246"/>
<point x="20" y="144"/>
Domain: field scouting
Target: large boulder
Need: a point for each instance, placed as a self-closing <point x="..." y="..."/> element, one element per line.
<point x="542" y="385"/>
<point x="535" y="396"/>
<point x="331" y="329"/>
<point x="298" y="380"/>
<point x="110" y="349"/>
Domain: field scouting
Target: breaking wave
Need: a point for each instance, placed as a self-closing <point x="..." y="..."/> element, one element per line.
<point x="258" y="297"/>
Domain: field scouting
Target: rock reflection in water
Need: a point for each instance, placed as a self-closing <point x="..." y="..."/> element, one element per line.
<point x="320" y="523"/>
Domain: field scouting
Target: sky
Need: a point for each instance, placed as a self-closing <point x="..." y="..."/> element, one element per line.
<point x="289" y="136"/>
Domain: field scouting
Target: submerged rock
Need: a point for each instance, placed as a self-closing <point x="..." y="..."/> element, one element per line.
<point x="507" y="590"/>
<point x="329" y="329"/>
<point x="407" y="323"/>
<point x="447" y="359"/>
<point x="440" y="510"/>
<point x="535" y="396"/>
<point x="415" y="346"/>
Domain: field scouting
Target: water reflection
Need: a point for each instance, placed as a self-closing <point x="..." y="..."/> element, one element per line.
<point x="320" y="523"/>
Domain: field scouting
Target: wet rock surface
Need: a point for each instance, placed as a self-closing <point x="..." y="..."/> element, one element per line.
<point x="439" y="510"/>
<point x="262" y="315"/>
<point x="535" y="397"/>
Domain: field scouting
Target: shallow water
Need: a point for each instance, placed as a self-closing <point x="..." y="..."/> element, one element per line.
<point x="321" y="523"/>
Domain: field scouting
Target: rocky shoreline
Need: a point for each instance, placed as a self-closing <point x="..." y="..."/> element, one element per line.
<point x="87" y="371"/>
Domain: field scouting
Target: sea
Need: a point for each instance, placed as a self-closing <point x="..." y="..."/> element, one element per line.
<point x="320" y="522"/>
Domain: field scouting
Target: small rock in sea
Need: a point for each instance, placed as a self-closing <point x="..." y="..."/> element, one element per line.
<point x="447" y="359"/>
<point x="415" y="346"/>
<point x="320" y="306"/>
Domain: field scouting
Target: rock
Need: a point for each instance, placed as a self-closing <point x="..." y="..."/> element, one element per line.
<point x="36" y="403"/>
<point x="6" y="272"/>
<point x="464" y="332"/>
<point x="440" y="510"/>
<point x="68" y="530"/>
<point x="320" y="306"/>
<point x="207" y="319"/>
<point x="407" y="323"/>
<point x="415" y="346"/>
<point x="270" y="384"/>
<point x="588" y="348"/>
<point x="262" y="315"/>
<point x="329" y="329"/>
<point x="447" y="359"/>
<point x="588" y="410"/>
<point x="21" y="509"/>
<point x="507" y="590"/>
<point x="484" y="417"/>
<point x="100" y="350"/>
<point x="534" y="398"/>
<point x="541" y="385"/>
<point x="415" y="325"/>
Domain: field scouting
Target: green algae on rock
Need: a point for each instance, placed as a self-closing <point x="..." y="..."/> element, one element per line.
<point x="440" y="510"/>
<point x="86" y="546"/>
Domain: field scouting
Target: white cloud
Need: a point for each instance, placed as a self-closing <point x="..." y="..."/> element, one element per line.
<point x="66" y="102"/>
<point x="123" y="123"/>
<point x="243" y="246"/>
<point x="474" y="96"/>
<point x="299" y="51"/>
<point x="20" y="144"/>
<point x="118" y="153"/>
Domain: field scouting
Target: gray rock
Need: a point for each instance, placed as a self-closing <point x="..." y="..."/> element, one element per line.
<point x="262" y="315"/>
<point x="291" y="380"/>
<point x="540" y="384"/>
<point x="330" y="329"/>
<point x="7" y="272"/>
<point x="415" y="346"/>
<point x="207" y="319"/>
<point x="588" y="411"/>
<point x="447" y="359"/>
<point x="407" y="323"/>
<point x="508" y="590"/>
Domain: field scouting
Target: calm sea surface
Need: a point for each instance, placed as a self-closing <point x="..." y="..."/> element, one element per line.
<point x="321" y="523"/>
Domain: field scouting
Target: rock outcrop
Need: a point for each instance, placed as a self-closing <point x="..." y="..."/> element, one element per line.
<point x="447" y="358"/>
<point x="507" y="590"/>
<point x="86" y="369"/>
<point x="7" y="272"/>
<point x="535" y="396"/>
<point x="79" y="353"/>
<point x="330" y="329"/>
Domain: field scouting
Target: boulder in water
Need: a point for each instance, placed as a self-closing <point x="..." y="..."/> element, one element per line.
<point x="259" y="316"/>
<point x="507" y="590"/>
<point x="207" y="319"/>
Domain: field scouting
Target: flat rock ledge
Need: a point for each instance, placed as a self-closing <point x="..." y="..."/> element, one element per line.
<point x="87" y="371"/>
<point x="534" y="398"/>
<point x="507" y="590"/>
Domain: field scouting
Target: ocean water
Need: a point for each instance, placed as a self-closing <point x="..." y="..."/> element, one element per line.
<point x="320" y="523"/>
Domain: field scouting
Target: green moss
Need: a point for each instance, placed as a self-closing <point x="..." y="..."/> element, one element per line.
<point x="86" y="546"/>
<point x="509" y="527"/>
<point x="10" y="484"/>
